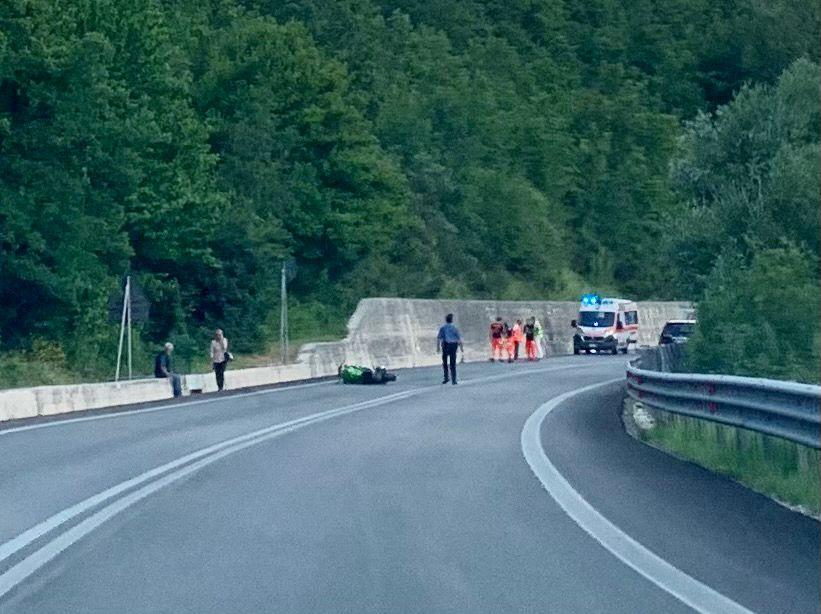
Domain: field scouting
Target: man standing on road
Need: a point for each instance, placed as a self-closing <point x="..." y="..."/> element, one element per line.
<point x="219" y="357"/>
<point x="162" y="368"/>
<point x="448" y="341"/>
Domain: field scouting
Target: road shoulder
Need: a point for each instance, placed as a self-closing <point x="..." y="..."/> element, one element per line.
<point x="738" y="542"/>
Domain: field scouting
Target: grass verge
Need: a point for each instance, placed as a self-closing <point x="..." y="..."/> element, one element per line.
<point x="780" y="469"/>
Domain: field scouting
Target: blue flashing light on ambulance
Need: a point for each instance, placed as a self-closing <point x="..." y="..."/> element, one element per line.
<point x="605" y="325"/>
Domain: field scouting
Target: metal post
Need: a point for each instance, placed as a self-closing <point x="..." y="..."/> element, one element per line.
<point x="122" y="333"/>
<point x="128" y="314"/>
<point x="286" y="324"/>
<point x="283" y="315"/>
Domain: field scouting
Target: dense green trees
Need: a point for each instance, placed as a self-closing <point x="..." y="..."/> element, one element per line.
<point x="104" y="167"/>
<point x="761" y="317"/>
<point x="513" y="149"/>
<point x="748" y="179"/>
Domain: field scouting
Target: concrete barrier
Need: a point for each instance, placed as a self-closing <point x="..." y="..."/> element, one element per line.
<point x="396" y="333"/>
<point x="49" y="400"/>
<point x="248" y="378"/>
<point x="400" y="333"/>
<point x="17" y="403"/>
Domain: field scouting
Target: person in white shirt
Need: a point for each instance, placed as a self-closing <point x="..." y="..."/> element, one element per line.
<point x="219" y="358"/>
<point x="539" y="339"/>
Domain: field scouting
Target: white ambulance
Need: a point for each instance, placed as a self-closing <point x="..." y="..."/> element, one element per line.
<point x="605" y="325"/>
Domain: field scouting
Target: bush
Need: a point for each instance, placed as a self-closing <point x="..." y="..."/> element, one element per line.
<point x="760" y="319"/>
<point x="19" y="369"/>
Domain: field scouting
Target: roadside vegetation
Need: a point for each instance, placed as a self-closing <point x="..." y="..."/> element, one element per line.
<point x="779" y="469"/>
<point x="747" y="242"/>
<point x="477" y="149"/>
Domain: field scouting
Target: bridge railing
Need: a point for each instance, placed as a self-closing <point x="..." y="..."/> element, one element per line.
<point x="782" y="409"/>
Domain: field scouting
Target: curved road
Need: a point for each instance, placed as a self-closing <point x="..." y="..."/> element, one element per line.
<point x="413" y="497"/>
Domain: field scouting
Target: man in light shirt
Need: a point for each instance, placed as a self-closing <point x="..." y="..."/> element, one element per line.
<point x="448" y="341"/>
<point x="219" y="356"/>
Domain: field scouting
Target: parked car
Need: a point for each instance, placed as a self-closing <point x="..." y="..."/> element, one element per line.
<point x="677" y="331"/>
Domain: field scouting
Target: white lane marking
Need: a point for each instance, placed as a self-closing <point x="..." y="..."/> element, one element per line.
<point x="27" y="537"/>
<point x="125" y="413"/>
<point x="202" y="458"/>
<point x="135" y="412"/>
<point x="683" y="587"/>
<point x="29" y="565"/>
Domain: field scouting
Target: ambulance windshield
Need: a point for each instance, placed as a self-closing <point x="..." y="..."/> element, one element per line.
<point x="596" y="318"/>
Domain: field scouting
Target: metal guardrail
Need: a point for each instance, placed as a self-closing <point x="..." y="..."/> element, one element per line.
<point x="783" y="409"/>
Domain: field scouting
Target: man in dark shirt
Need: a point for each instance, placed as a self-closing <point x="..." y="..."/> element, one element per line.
<point x="449" y="340"/>
<point x="530" y="339"/>
<point x="163" y="369"/>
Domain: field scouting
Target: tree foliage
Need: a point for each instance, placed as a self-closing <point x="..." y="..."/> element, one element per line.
<point x="748" y="177"/>
<point x="515" y="149"/>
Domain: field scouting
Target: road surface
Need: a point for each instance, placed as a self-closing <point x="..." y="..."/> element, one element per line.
<point x="412" y="497"/>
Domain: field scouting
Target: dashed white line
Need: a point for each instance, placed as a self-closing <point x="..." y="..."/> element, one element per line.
<point x="153" y="480"/>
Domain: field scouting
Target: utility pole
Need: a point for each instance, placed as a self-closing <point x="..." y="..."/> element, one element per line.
<point x="128" y="302"/>
<point x="126" y="314"/>
<point x="283" y="316"/>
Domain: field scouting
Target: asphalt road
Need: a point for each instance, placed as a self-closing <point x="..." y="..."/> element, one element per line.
<point x="412" y="497"/>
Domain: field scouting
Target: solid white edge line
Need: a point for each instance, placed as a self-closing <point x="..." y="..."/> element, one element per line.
<point x="677" y="583"/>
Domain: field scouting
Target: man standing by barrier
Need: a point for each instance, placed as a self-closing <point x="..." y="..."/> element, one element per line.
<point x="162" y="368"/>
<point x="219" y="357"/>
<point x="449" y="340"/>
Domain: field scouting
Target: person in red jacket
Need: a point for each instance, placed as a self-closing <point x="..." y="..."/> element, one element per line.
<point x="497" y="330"/>
<point x="517" y="337"/>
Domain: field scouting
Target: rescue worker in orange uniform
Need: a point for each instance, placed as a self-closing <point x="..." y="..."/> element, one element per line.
<point x="497" y="330"/>
<point x="517" y="337"/>
<point x="510" y="335"/>
<point x="530" y="339"/>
